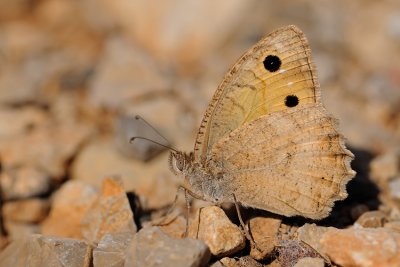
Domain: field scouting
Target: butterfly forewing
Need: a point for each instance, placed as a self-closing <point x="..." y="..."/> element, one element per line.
<point x="274" y="75"/>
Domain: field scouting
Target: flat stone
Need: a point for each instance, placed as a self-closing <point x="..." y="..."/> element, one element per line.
<point x="213" y="227"/>
<point x="39" y="250"/>
<point x="24" y="182"/>
<point x="264" y="231"/>
<point x="310" y="262"/>
<point x="366" y="247"/>
<point x="30" y="210"/>
<point x="110" y="213"/>
<point x="151" y="247"/>
<point x="70" y="203"/>
<point x="394" y="188"/>
<point x="371" y="219"/>
<point x="111" y="250"/>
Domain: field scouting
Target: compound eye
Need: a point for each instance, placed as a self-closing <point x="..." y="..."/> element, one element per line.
<point x="179" y="164"/>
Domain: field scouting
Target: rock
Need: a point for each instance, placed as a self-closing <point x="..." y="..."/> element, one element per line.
<point x="311" y="235"/>
<point x="110" y="213"/>
<point x="395" y="226"/>
<point x="240" y="262"/>
<point x="23" y="119"/>
<point x="150" y="180"/>
<point x="28" y="210"/>
<point x="385" y="167"/>
<point x="213" y="227"/>
<point x="394" y="188"/>
<point x="18" y="230"/>
<point x="310" y="262"/>
<point x="47" y="149"/>
<point x="111" y="250"/>
<point x="70" y="203"/>
<point x="115" y="71"/>
<point x="151" y="247"/>
<point x="291" y="251"/>
<point x="264" y="231"/>
<point x="362" y="247"/>
<point x="24" y="182"/>
<point x="371" y="219"/>
<point x="39" y="250"/>
<point x="175" y="228"/>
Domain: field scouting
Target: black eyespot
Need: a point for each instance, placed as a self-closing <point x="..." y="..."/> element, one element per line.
<point x="291" y="101"/>
<point x="272" y="63"/>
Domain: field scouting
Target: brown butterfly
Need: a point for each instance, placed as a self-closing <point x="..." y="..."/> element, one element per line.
<point x="266" y="140"/>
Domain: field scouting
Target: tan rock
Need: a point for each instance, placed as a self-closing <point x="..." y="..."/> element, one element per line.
<point x="111" y="250"/>
<point x="23" y="119"/>
<point x="24" y="182"/>
<point x="27" y="210"/>
<point x="362" y="247"/>
<point x="70" y="204"/>
<point x="39" y="250"/>
<point x="213" y="227"/>
<point x="310" y="262"/>
<point x="150" y="180"/>
<point x="240" y="262"/>
<point x="394" y="225"/>
<point x="311" y="235"/>
<point x="371" y="219"/>
<point x="47" y="149"/>
<point x="385" y="166"/>
<point x="110" y="213"/>
<point x="151" y="247"/>
<point x="18" y="230"/>
<point x="175" y="227"/>
<point x="264" y="231"/>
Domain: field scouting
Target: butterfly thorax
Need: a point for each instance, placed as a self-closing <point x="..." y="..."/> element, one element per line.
<point x="200" y="182"/>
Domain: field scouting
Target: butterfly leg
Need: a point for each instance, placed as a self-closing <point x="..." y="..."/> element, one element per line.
<point x="163" y="220"/>
<point x="244" y="228"/>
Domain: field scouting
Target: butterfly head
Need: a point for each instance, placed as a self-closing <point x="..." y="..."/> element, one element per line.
<point x="180" y="161"/>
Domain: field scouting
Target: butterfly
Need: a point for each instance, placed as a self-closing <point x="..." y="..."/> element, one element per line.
<point x="266" y="140"/>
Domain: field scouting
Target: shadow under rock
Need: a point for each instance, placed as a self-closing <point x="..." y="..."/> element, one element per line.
<point x="362" y="193"/>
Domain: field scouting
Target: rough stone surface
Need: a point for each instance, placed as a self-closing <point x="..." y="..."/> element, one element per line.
<point x="213" y="227"/>
<point x="310" y="262"/>
<point x="175" y="227"/>
<point x="69" y="205"/>
<point x="110" y="213"/>
<point x="151" y="247"/>
<point x="311" y="234"/>
<point x="264" y="231"/>
<point x="39" y="250"/>
<point x="362" y="247"/>
<point x="371" y="219"/>
<point x="110" y="252"/>
<point x="28" y="210"/>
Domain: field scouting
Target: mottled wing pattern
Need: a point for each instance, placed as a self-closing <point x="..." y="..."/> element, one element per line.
<point x="292" y="162"/>
<point x="249" y="90"/>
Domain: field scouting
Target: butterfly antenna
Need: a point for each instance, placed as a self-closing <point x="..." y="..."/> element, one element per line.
<point x="138" y="117"/>
<point x="155" y="142"/>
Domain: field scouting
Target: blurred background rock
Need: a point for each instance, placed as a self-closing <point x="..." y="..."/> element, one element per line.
<point x="72" y="71"/>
